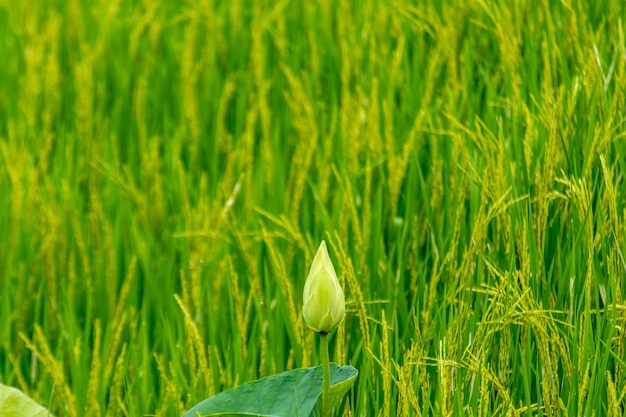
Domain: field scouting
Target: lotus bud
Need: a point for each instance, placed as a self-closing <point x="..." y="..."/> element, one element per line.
<point x="324" y="303"/>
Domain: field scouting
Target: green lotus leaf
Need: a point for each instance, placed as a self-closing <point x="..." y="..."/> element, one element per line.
<point x="14" y="403"/>
<point x="289" y="394"/>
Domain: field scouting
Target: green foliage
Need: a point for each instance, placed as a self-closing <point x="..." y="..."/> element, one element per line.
<point x="168" y="168"/>
<point x="14" y="403"/>
<point x="288" y="394"/>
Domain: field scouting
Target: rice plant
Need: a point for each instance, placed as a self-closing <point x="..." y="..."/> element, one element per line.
<point x="168" y="169"/>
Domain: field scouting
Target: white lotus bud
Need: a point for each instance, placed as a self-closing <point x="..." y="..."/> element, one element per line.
<point x="324" y="303"/>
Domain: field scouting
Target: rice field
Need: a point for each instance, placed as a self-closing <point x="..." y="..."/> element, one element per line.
<point x="169" y="168"/>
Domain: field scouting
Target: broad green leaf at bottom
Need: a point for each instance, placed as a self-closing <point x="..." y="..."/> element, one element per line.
<point x="289" y="394"/>
<point x="14" y="403"/>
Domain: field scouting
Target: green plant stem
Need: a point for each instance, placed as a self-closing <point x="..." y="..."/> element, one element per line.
<point x="325" y="373"/>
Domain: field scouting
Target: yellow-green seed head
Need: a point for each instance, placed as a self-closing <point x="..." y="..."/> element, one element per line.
<point x="324" y="303"/>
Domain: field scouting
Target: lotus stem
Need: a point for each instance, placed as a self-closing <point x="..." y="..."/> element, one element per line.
<point x="325" y="373"/>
